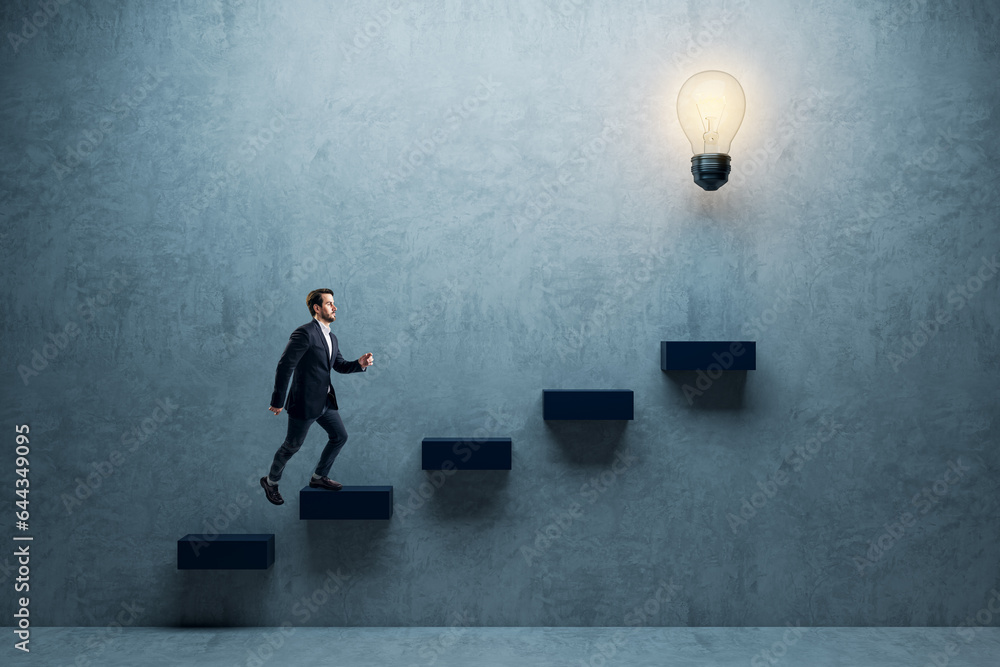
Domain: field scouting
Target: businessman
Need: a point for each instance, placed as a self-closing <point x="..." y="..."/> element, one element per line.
<point x="311" y="352"/>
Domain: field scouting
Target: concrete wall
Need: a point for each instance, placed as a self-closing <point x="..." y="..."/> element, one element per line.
<point x="500" y="197"/>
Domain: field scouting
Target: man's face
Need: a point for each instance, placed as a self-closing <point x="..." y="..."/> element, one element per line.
<point x="327" y="311"/>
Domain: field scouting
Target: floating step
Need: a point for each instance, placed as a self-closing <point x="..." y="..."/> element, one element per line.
<point x="351" y="502"/>
<point x="465" y="454"/>
<point x="740" y="355"/>
<point x="588" y="404"/>
<point x="253" y="551"/>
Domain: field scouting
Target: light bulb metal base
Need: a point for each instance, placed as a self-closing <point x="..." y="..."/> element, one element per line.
<point x="711" y="170"/>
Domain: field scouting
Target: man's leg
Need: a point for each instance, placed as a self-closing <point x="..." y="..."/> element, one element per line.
<point x="295" y="436"/>
<point x="334" y="426"/>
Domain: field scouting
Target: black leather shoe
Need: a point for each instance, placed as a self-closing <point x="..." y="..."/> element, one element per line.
<point x="271" y="492"/>
<point x="325" y="483"/>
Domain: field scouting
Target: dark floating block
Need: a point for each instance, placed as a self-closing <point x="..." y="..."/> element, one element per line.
<point x="225" y="552"/>
<point x="465" y="454"/>
<point x="588" y="404"/>
<point x="708" y="355"/>
<point x="351" y="502"/>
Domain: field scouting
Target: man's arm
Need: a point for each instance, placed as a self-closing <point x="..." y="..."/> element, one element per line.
<point x="342" y="366"/>
<point x="298" y="343"/>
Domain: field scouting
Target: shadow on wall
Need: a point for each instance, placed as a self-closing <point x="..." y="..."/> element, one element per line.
<point x="469" y="493"/>
<point x="701" y="391"/>
<point x="220" y="598"/>
<point x="588" y="442"/>
<point x="354" y="544"/>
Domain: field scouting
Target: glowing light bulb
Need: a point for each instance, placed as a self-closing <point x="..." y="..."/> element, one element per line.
<point x="710" y="107"/>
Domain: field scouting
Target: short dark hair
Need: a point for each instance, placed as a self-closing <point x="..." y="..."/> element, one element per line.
<point x="315" y="298"/>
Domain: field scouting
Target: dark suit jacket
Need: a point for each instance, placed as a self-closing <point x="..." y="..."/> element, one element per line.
<point x="306" y="354"/>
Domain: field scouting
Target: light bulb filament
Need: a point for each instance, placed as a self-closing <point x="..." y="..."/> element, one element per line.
<point x="711" y="110"/>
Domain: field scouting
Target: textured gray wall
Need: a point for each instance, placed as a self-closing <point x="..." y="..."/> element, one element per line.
<point x="500" y="196"/>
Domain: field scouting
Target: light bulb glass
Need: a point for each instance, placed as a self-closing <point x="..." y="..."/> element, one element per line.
<point x="710" y="108"/>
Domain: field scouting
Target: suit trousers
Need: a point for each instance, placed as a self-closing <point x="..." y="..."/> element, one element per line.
<point x="298" y="428"/>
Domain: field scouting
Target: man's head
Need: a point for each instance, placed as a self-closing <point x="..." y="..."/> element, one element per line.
<point x="320" y="303"/>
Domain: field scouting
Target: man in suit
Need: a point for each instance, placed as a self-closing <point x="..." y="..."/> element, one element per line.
<point x="311" y="351"/>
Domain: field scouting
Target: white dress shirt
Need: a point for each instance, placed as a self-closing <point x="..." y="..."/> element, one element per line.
<point x="329" y="347"/>
<point x="329" y="343"/>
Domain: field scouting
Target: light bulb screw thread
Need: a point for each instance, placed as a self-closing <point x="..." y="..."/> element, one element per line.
<point x="711" y="170"/>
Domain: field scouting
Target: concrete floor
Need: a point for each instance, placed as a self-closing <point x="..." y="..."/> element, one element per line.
<point x="486" y="647"/>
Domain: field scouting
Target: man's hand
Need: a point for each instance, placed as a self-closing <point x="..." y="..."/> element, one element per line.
<point x="276" y="411"/>
<point x="366" y="360"/>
